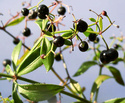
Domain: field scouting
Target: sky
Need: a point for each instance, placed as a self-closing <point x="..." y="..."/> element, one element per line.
<point x="80" y="8"/>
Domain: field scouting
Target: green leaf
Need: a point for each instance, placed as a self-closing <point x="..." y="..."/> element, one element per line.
<point x="39" y="92"/>
<point x="30" y="63"/>
<point x="67" y="35"/>
<point x="92" y="19"/>
<point x="100" y="79"/>
<point x="45" y="50"/>
<point x="116" y="100"/>
<point x="100" y="23"/>
<point x="86" y="33"/>
<point x="15" y="54"/>
<point x="15" y="21"/>
<point x="9" y="70"/>
<point x="116" y="74"/>
<point x="67" y="42"/>
<point x="41" y="23"/>
<point x="47" y="33"/>
<point x="84" y="67"/>
<point x="75" y="86"/>
<point x="15" y="95"/>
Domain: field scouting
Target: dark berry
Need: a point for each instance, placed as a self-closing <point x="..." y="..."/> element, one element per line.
<point x="6" y="62"/>
<point x="109" y="55"/>
<point x="58" y="41"/>
<point x="104" y="57"/>
<point x="43" y="11"/>
<point x="49" y="27"/>
<point x="32" y="14"/>
<point x="104" y="13"/>
<point x="113" y="54"/>
<point x="25" y="11"/>
<point x="58" y="57"/>
<point x="26" y="32"/>
<point x="97" y="40"/>
<point x="83" y="46"/>
<point x="16" y="41"/>
<point x="81" y="26"/>
<point x="116" y="46"/>
<point x="61" y="10"/>
<point x="92" y="37"/>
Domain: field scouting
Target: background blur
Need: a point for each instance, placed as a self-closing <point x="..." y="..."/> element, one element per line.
<point x="115" y="9"/>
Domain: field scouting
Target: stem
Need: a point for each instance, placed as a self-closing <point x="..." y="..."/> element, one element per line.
<point x="63" y="31"/>
<point x="74" y="96"/>
<point x="97" y="91"/>
<point x="104" y="42"/>
<point x="15" y="38"/>
<point x="6" y="75"/>
<point x="62" y="81"/>
<point x="88" y="31"/>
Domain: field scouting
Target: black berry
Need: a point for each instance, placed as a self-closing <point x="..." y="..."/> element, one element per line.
<point x="113" y="54"/>
<point x="61" y="10"/>
<point x="16" y="41"/>
<point x="104" y="57"/>
<point x="43" y="11"/>
<point x="58" y="41"/>
<point x="109" y="55"/>
<point x="26" y="32"/>
<point x="116" y="46"/>
<point x="92" y="37"/>
<point x="6" y="62"/>
<point x="81" y="26"/>
<point x="58" y="57"/>
<point x="49" y="27"/>
<point x="25" y="11"/>
<point x="83" y="46"/>
<point x="32" y="14"/>
<point x="97" y="40"/>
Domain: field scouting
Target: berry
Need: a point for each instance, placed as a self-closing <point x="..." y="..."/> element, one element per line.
<point x="58" y="41"/>
<point x="104" y="57"/>
<point x="83" y="46"/>
<point x="49" y="27"/>
<point x="6" y="62"/>
<point x="25" y="11"/>
<point x="26" y="32"/>
<point x="92" y="37"/>
<point x="104" y="13"/>
<point x="109" y="55"/>
<point x="81" y="26"/>
<point x="16" y="41"/>
<point x="61" y="10"/>
<point x="113" y="54"/>
<point x="97" y="40"/>
<point x="57" y="57"/>
<point x="116" y="46"/>
<point x="32" y="14"/>
<point x="43" y="11"/>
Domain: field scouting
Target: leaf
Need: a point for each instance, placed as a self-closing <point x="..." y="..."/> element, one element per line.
<point x="92" y="19"/>
<point x="30" y="63"/>
<point x="67" y="35"/>
<point x="16" y="21"/>
<point x="84" y="67"/>
<point x="116" y="74"/>
<point x="67" y="42"/>
<point x="100" y="23"/>
<point x="41" y="23"/>
<point x="75" y="86"/>
<point x="9" y="70"/>
<point x="100" y="79"/>
<point x="116" y="100"/>
<point x="15" y="54"/>
<point x="15" y="95"/>
<point x="39" y="92"/>
<point x="45" y="50"/>
<point x="47" y="33"/>
<point x="86" y="33"/>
